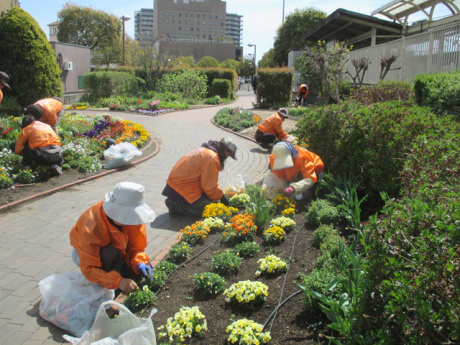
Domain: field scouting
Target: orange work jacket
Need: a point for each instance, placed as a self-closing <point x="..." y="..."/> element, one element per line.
<point x="301" y="91"/>
<point x="273" y="124"/>
<point x="306" y="163"/>
<point x="51" y="107"/>
<point x="196" y="173"/>
<point x="94" y="231"/>
<point x="1" y="96"/>
<point x="38" y="134"/>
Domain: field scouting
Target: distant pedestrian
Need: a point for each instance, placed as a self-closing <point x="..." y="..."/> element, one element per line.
<point x="4" y="79"/>
<point x="48" y="110"/>
<point x="254" y="83"/>
<point x="302" y="94"/>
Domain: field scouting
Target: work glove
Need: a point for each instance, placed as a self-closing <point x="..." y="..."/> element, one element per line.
<point x="224" y="200"/>
<point x="288" y="191"/>
<point x="146" y="270"/>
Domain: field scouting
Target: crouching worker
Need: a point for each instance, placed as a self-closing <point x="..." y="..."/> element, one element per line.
<point x="39" y="144"/>
<point x="271" y="129"/>
<point x="109" y="239"/>
<point x="193" y="181"/>
<point x="48" y="110"/>
<point x="296" y="165"/>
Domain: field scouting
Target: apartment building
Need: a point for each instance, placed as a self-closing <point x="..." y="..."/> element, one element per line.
<point x="143" y="26"/>
<point x="5" y="5"/>
<point x="196" y="28"/>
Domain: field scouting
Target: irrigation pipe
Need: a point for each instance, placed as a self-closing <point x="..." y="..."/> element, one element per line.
<point x="280" y="302"/>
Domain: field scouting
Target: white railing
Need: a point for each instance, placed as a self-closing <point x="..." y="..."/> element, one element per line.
<point x="436" y="51"/>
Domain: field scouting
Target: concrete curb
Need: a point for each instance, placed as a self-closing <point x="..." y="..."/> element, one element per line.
<point x="89" y="178"/>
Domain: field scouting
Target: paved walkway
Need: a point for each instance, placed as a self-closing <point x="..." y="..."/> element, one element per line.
<point x="34" y="236"/>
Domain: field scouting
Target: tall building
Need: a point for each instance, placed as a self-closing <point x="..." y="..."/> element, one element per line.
<point x="5" y="5"/>
<point x="143" y="26"/>
<point x="196" y="28"/>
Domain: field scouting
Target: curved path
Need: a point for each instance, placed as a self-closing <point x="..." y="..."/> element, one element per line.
<point x="34" y="236"/>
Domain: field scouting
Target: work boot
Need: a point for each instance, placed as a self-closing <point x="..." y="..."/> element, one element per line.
<point x="171" y="205"/>
<point x="56" y="170"/>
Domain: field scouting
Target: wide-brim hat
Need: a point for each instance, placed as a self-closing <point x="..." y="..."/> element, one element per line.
<point x="231" y="146"/>
<point x="283" y="112"/>
<point x="282" y="157"/>
<point x="4" y="79"/>
<point x="126" y="205"/>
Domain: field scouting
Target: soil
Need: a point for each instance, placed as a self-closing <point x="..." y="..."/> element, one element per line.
<point x="19" y="192"/>
<point x="288" y="326"/>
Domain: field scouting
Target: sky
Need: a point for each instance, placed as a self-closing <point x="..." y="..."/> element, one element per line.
<point x="261" y="18"/>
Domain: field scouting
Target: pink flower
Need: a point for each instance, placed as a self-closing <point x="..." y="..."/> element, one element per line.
<point x="139" y="101"/>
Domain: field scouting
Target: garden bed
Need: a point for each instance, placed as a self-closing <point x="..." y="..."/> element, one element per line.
<point x="291" y="321"/>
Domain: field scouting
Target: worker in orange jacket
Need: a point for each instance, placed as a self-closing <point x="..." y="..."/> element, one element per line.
<point x="48" y="110"/>
<point x="109" y="239"/>
<point x="193" y="181"/>
<point x="302" y="94"/>
<point x="4" y="79"/>
<point x="38" y="143"/>
<point x="296" y="165"/>
<point x="271" y="129"/>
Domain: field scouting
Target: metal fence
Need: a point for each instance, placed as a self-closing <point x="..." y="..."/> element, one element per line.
<point x="436" y="51"/>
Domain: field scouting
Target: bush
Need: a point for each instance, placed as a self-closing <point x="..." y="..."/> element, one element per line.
<point x="10" y="106"/>
<point x="322" y="212"/>
<point x="180" y="252"/>
<point x="331" y="245"/>
<point x="139" y="299"/>
<point x="221" y="88"/>
<point x="274" y="87"/>
<point x="188" y="83"/>
<point x="382" y="92"/>
<point x="226" y="263"/>
<point x="208" y="283"/>
<point x="106" y="84"/>
<point x="320" y="234"/>
<point x="28" y="58"/>
<point x="235" y="119"/>
<point x="246" y="249"/>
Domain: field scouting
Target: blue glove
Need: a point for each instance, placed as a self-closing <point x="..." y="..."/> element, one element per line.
<point x="146" y="270"/>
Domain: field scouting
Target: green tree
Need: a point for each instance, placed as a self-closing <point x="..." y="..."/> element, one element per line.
<point x="231" y="64"/>
<point x="246" y="67"/>
<point x="289" y="34"/>
<point x="268" y="60"/>
<point x="183" y="62"/>
<point x="88" y="27"/>
<point x="105" y="55"/>
<point x="28" y="58"/>
<point x="208" y="61"/>
<point x="133" y="52"/>
<point x="188" y="83"/>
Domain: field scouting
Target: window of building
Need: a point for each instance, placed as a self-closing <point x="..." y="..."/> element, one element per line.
<point x="204" y="23"/>
<point x="174" y="28"/>
<point x="215" y="23"/>
<point x="215" y="30"/>
<point x="191" y="29"/>
<point x="192" y="15"/>
<point x="210" y="17"/>
<point x="180" y="14"/>
<point x="185" y="29"/>
<point x="179" y="36"/>
<point x="173" y="21"/>
<point x="221" y="24"/>
<point x="173" y="14"/>
<point x="197" y="29"/>
<point x="198" y="15"/>
<point x="221" y="30"/>
<point x="210" y="30"/>
<point x="216" y="17"/>
<point x="167" y="28"/>
<point x="221" y="17"/>
<point x="179" y="21"/>
<point x="204" y="36"/>
<point x="210" y="23"/>
<point x="167" y="20"/>
<point x="186" y="15"/>
<point x="167" y="14"/>
<point x="179" y="28"/>
<point x="192" y="22"/>
<point x="185" y="21"/>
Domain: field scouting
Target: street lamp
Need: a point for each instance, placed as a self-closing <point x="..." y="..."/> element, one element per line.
<point x="253" y="45"/>
<point x="283" y="13"/>
<point x="124" y="18"/>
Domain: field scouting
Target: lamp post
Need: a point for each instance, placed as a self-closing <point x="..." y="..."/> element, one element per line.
<point x="283" y="13"/>
<point x="254" y="58"/>
<point x="124" y="18"/>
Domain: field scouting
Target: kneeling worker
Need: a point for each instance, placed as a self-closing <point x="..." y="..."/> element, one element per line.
<point x="39" y="144"/>
<point x="193" y="181"/>
<point x="302" y="94"/>
<point x="296" y="165"/>
<point x="271" y="129"/>
<point x="109" y="239"/>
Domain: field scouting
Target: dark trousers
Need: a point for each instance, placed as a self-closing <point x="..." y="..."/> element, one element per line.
<point x="302" y="99"/>
<point x="112" y="260"/>
<point x="264" y="138"/>
<point x="30" y="156"/>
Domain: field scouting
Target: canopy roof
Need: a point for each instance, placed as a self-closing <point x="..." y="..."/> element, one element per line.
<point x="400" y="10"/>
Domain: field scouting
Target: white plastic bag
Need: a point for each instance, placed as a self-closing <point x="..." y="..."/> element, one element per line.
<point x="289" y="139"/>
<point x="233" y="184"/>
<point x="124" y="329"/>
<point x="273" y="185"/>
<point x="70" y="301"/>
<point x="120" y="155"/>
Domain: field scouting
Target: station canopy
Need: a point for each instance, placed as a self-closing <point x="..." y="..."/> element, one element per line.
<point x="400" y="10"/>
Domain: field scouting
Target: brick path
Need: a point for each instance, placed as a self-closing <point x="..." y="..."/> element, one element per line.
<point x="34" y="236"/>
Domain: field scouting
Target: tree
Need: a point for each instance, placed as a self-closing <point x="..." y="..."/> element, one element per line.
<point x="246" y="67"/>
<point x="28" y="58"/>
<point x="231" y="64"/>
<point x="88" y="27"/>
<point x="268" y="60"/>
<point x="289" y="34"/>
<point x="208" y="61"/>
<point x="106" y="55"/>
<point x="183" y="62"/>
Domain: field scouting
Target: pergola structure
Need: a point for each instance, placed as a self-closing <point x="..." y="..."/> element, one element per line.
<point x="400" y="10"/>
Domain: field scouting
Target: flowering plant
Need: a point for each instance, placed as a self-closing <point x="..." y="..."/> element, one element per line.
<point x="139" y="299"/>
<point x="256" y="118"/>
<point x="218" y="210"/>
<point x="194" y="234"/>
<point x="239" y="200"/>
<point x="246" y="293"/>
<point x="241" y="228"/>
<point x="274" y="235"/>
<point x="154" y="105"/>
<point x="180" y="252"/>
<point x="208" y="283"/>
<point x="214" y="224"/>
<point x="245" y="332"/>
<point x="283" y="202"/>
<point x="226" y="263"/>
<point x="271" y="265"/>
<point x="246" y="249"/>
<point x="286" y="223"/>
<point x="288" y="212"/>
<point x="187" y="323"/>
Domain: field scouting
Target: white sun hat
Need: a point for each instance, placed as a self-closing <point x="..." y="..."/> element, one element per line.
<point x="126" y="205"/>
<point x="283" y="158"/>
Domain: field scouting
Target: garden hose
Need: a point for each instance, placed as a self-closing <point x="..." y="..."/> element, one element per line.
<point x="284" y="284"/>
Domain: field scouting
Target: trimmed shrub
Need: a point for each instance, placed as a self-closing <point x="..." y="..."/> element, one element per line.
<point x="382" y="92"/>
<point x="274" y="87"/>
<point x="188" y="83"/>
<point x="320" y="234"/>
<point x="322" y="212"/>
<point x="221" y="87"/>
<point x="107" y="84"/>
<point x="28" y="58"/>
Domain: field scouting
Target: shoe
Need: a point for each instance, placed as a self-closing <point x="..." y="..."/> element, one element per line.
<point x="270" y="147"/>
<point x="56" y="170"/>
<point x="171" y="205"/>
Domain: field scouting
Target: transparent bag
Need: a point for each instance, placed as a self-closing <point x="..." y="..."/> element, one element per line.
<point x="233" y="184"/>
<point x="70" y="301"/>
<point x="124" y="329"/>
<point x="273" y="185"/>
<point x="120" y="155"/>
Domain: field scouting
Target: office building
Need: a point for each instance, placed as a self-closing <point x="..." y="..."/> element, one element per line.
<point x="143" y="26"/>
